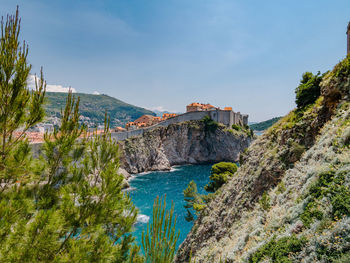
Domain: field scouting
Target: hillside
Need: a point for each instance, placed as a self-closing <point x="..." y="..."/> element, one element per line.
<point x="290" y="199"/>
<point x="261" y="126"/>
<point x="93" y="107"/>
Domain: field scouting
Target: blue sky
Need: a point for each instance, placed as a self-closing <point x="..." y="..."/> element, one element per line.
<point x="165" y="54"/>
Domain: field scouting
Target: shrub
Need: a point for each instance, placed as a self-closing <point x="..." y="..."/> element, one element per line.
<point x="331" y="186"/>
<point x="345" y="258"/>
<point x="265" y="201"/>
<point x="219" y="175"/>
<point x="209" y="124"/>
<point x="236" y="127"/>
<point x="309" y="89"/>
<point x="279" y="250"/>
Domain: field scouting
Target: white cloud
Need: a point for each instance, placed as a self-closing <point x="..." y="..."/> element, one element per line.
<point x="96" y="93"/>
<point x="49" y="87"/>
<point x="159" y="108"/>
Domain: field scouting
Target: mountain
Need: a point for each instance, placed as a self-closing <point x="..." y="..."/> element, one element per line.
<point x="93" y="107"/>
<point x="260" y="126"/>
<point x="289" y="201"/>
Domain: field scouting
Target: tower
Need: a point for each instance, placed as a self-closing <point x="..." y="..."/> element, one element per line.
<point x="348" y="36"/>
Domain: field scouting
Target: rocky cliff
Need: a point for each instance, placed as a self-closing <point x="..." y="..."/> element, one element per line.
<point x="290" y="199"/>
<point x="182" y="143"/>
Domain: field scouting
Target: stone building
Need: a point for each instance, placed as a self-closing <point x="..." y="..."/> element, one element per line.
<point x="226" y="116"/>
<point x="195" y="106"/>
<point x="348" y="38"/>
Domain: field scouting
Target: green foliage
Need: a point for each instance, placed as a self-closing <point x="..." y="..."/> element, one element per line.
<point x="331" y="186"/>
<point x="309" y="89"/>
<point x="236" y="127"/>
<point x="246" y="129"/>
<point x="279" y="250"/>
<point x="194" y="201"/>
<point x="159" y="242"/>
<point x="20" y="107"/>
<point x="77" y="210"/>
<point x="310" y="213"/>
<point x="219" y="175"/>
<point x="281" y="188"/>
<point x="209" y="124"/>
<point x="265" y="201"/>
<point x="260" y="126"/>
<point x="95" y="106"/>
<point x="344" y="258"/>
<point x="67" y="205"/>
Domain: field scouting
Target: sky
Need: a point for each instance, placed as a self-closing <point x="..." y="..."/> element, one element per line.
<point x="157" y="54"/>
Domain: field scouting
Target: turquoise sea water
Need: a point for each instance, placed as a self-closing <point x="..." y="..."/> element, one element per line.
<point x="147" y="186"/>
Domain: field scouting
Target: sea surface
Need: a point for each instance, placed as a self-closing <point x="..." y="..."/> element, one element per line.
<point x="145" y="187"/>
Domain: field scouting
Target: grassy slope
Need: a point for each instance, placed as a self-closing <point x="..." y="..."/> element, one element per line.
<point x="94" y="107"/>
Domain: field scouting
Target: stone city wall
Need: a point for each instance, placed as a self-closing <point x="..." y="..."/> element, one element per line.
<point x="225" y="117"/>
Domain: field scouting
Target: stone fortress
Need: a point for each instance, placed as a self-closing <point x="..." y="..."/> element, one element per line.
<point x="194" y="112"/>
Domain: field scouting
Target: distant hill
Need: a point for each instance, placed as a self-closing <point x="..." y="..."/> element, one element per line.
<point x="93" y="107"/>
<point x="260" y="126"/>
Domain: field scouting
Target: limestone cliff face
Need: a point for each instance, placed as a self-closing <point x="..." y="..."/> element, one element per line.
<point x="181" y="143"/>
<point x="289" y="201"/>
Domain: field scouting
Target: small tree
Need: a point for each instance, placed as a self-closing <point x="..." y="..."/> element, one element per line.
<point x="159" y="242"/>
<point x="194" y="201"/>
<point x="309" y="89"/>
<point x="219" y="175"/>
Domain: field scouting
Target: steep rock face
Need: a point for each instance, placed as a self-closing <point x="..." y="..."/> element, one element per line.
<point x="181" y="143"/>
<point x="292" y="187"/>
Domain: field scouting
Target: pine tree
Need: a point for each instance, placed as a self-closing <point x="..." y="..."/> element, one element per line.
<point x="20" y="108"/>
<point x="159" y="241"/>
<point x="67" y="205"/>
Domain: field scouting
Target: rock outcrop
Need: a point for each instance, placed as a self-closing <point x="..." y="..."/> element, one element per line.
<point x="289" y="201"/>
<point x="181" y="143"/>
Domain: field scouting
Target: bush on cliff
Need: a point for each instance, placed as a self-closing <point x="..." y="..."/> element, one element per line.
<point x="279" y="250"/>
<point x="209" y="124"/>
<point x="309" y="89"/>
<point x="219" y="175"/>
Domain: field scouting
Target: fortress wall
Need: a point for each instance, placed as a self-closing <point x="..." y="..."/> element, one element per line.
<point x="119" y="136"/>
<point x="221" y="116"/>
<point x="188" y="116"/>
<point x="225" y="117"/>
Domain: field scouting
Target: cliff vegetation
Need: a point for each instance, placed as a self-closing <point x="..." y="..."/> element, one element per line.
<point x="289" y="200"/>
